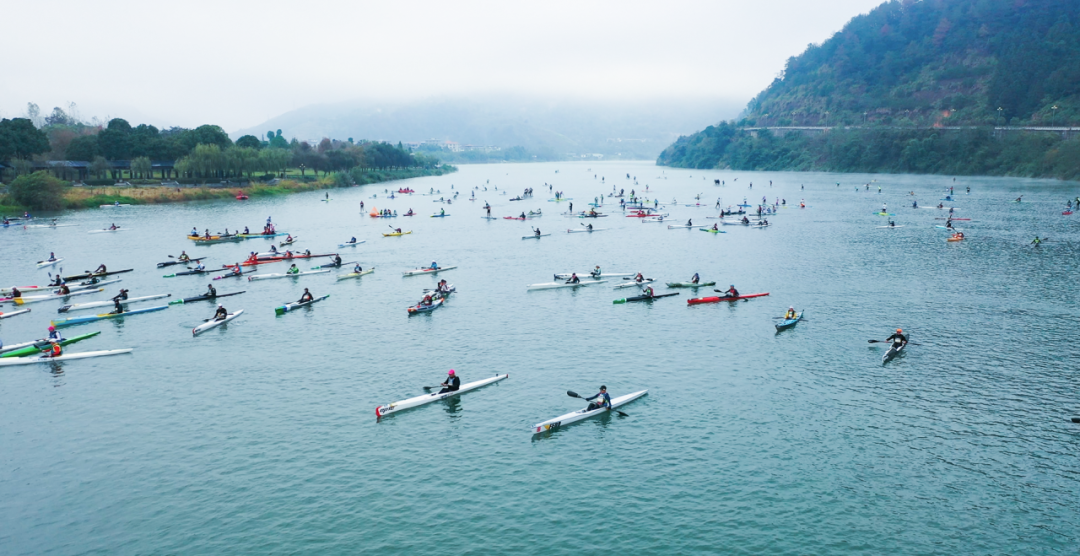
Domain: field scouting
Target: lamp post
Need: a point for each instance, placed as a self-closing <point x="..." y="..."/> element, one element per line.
<point x="302" y="167"/>
<point x="864" y="114"/>
<point x="826" y="118"/>
<point x="1053" y="115"/>
<point x="999" y="110"/>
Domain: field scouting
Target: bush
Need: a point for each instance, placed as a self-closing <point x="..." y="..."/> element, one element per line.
<point x="38" y="191"/>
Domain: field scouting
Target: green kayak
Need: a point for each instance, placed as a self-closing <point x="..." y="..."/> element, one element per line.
<point x="34" y="350"/>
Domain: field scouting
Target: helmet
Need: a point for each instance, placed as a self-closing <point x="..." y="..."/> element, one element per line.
<point x="451" y="372"/>
<point x="52" y="328"/>
<point x="732" y="286"/>
<point x="220" y="306"/>
<point x="602" y="387"/>
<point x="792" y="307"/>
<point x="898" y="330"/>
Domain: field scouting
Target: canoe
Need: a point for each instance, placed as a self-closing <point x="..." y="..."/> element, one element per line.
<point x="394" y="234"/>
<point x="86" y="275"/>
<point x="566" y="275"/>
<point x="10" y="314"/>
<point x="554" y="285"/>
<point x="294" y="306"/>
<point x="43" y="264"/>
<point x="203" y="298"/>
<point x="190" y="272"/>
<point x="93" y="304"/>
<point x="347" y="244"/>
<point x="563" y="420"/>
<point x="893" y="352"/>
<point x="584" y="230"/>
<point x="689" y="284"/>
<point x="788" y="323"/>
<point x="38" y="298"/>
<point x="416" y="309"/>
<point x="631" y="283"/>
<point x="65" y="357"/>
<point x="643" y="298"/>
<point x="171" y="263"/>
<point x="215" y="323"/>
<point x="716" y="299"/>
<point x="36" y="347"/>
<point x="103" y="316"/>
<point x="384" y="410"/>
<point x="535" y="236"/>
<point x="355" y="274"/>
<point x="285" y="275"/>
<point x="420" y="271"/>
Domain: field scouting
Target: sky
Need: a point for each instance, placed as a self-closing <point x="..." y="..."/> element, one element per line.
<point x="237" y="63"/>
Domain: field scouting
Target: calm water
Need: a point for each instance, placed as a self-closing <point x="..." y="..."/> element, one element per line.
<point x="260" y="437"/>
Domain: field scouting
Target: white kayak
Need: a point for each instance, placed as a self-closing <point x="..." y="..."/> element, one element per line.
<point x="355" y="274"/>
<point x="562" y="420"/>
<point x="13" y="313"/>
<point x="286" y="275"/>
<point x="14" y="347"/>
<point x="584" y="230"/>
<point x="43" y="264"/>
<point x="672" y="226"/>
<point x="384" y="410"/>
<point x="347" y="244"/>
<point x="534" y="236"/>
<point x="11" y="361"/>
<point x="901" y="226"/>
<point x="37" y="298"/>
<point x="650" y="219"/>
<point x="420" y="271"/>
<point x="631" y="283"/>
<point x="553" y="285"/>
<point x="297" y="304"/>
<point x="113" y="206"/>
<point x="215" y="323"/>
<point x="566" y="275"/>
<point x="93" y="304"/>
<point x="82" y="286"/>
<point x="106" y="230"/>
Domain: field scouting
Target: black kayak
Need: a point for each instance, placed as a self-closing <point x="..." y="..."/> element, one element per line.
<point x="643" y="298"/>
<point x="332" y="265"/>
<point x="91" y="274"/>
<point x="170" y="263"/>
<point x="203" y="298"/>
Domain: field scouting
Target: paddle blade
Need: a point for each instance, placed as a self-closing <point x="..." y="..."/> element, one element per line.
<point x="618" y="301"/>
<point x="572" y="394"/>
<point x="1076" y="419"/>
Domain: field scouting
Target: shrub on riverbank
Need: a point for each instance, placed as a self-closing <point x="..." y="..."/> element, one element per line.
<point x="37" y="191"/>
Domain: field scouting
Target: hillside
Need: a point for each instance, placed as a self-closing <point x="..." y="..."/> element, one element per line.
<point x="904" y="69"/>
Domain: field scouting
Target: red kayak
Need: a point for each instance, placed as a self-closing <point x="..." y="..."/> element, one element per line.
<point x="715" y="299"/>
<point x="512" y="218"/>
<point x="280" y="259"/>
<point x="1066" y="213"/>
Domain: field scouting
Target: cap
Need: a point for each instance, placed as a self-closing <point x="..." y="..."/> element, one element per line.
<point x="792" y="307"/>
<point x="451" y="372"/>
<point x="602" y="387"/>
<point x="220" y="306"/>
<point x="51" y="328"/>
<point x="898" y="330"/>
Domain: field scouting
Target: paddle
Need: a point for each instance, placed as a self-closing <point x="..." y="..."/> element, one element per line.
<point x="574" y="395"/>
<point x="884" y="341"/>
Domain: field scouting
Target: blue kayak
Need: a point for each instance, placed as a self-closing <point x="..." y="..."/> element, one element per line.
<point x="82" y="320"/>
<point x="788" y="323"/>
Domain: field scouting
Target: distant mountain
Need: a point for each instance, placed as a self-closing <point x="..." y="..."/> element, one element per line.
<point x="552" y="129"/>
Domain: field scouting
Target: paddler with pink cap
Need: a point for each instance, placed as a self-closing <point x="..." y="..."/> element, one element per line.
<point x="452" y="383"/>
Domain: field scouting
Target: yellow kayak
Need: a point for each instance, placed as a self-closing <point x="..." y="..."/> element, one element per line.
<point x="397" y="233"/>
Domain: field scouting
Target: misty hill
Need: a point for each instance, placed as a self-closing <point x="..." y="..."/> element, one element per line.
<point x="547" y="129"/>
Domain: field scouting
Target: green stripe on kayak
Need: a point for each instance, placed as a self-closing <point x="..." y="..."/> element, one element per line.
<point x="32" y="350"/>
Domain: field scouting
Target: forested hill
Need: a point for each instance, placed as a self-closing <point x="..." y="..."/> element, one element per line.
<point x="919" y="64"/>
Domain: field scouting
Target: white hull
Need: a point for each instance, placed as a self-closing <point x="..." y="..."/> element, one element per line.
<point x="421" y="271"/>
<point x="355" y="274"/>
<point x="384" y="410"/>
<point x="632" y="283"/>
<point x="351" y="244"/>
<point x="562" y="420"/>
<point x="13" y="313"/>
<point x="298" y="274"/>
<point x="94" y="304"/>
<point x="12" y="361"/>
<point x="583" y="275"/>
<point x="37" y="298"/>
<point x="583" y="230"/>
<point x="44" y="264"/>
<point x="554" y="285"/>
<point x="214" y="324"/>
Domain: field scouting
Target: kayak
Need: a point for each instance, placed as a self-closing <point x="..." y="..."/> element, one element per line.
<point x="283" y="259"/>
<point x="256" y="236"/>
<point x="105" y="230"/>
<point x="948" y="228"/>
<point x="554" y="285"/>
<point x="347" y="244"/>
<point x="901" y="226"/>
<point x="884" y="214"/>
<point x="560" y="199"/>
<point x="211" y="238"/>
<point x="113" y="206"/>
<point x="954" y="239"/>
<point x="441" y="294"/>
<point x="535" y="236"/>
<point x="34" y="348"/>
<point x="788" y="323"/>
<point x="293" y="306"/>
<point x="1064" y="213"/>
<point x="950" y="218"/>
<point x="439" y="215"/>
<point x="288" y="242"/>
<point x="38" y="298"/>
<point x="893" y="352"/>
<point x="81" y="320"/>
<point x="93" y="304"/>
<point x="714" y="231"/>
<point x="66" y="357"/>
<point x="43" y="289"/>
<point x="190" y="272"/>
<point x="631" y="283"/>
<point x="426" y="308"/>
<point x="232" y="275"/>
<point x="583" y="230"/>
<point x="228" y="239"/>
<point x="333" y="265"/>
<point x="384" y="410"/>
<point x="43" y="264"/>
<point x="689" y="284"/>
<point x="10" y="314"/>
<point x="716" y="299"/>
<point x="673" y="226"/>
<point x="566" y="275"/>
<point x="86" y="275"/>
<point x="355" y="274"/>
<point x="286" y="275"/>
<point x="643" y="298"/>
<point x="761" y="225"/>
<point x="170" y="263"/>
<point x="203" y="298"/>
<point x="563" y="420"/>
<point x="215" y="323"/>
<point x="420" y="271"/>
<point x="394" y="234"/>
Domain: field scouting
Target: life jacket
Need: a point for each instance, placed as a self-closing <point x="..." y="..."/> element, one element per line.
<point x="55" y="350"/>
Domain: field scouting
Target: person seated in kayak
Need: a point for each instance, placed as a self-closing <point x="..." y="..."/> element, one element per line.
<point x="184" y="257"/>
<point x="745" y="220"/>
<point x="246" y="232"/>
<point x="731" y="292"/>
<point x="210" y="291"/>
<point x="306" y="297"/>
<point x="574" y="279"/>
<point x="117" y="308"/>
<point x="898" y="339"/>
<point x="915" y="204"/>
<point x="52" y="256"/>
<point x="426" y="301"/>
<point x="64" y="290"/>
<point x="208" y="236"/>
<point x="522" y="216"/>
<point x="221" y="313"/>
<point x="689" y="223"/>
<point x="114" y="227"/>
<point x="121" y="296"/>
<point x="884" y="207"/>
<point x="442" y="212"/>
<point x="54" y="335"/>
<point x="764" y="222"/>
<point x="289" y="239"/>
<point x="892" y="224"/>
<point x="537" y="232"/>
<point x="958" y="235"/>
<point x="397" y="230"/>
<point x="716" y="227"/>
<point x="236" y="270"/>
<point x="647" y="291"/>
<point x="434" y="265"/>
<point x="600" y="400"/>
<point x="589" y="227"/>
<point x="1036" y="241"/>
<point x="951" y="209"/>
<point x="337" y="259"/>
<point x="199" y="267"/>
<point x="288" y="254"/>
<point x="596" y="272"/>
<point x="194" y="232"/>
<point x="53" y="350"/>
<point x="695" y="279"/>
<point x="790" y="314"/>
<point x="357" y="269"/>
<point x="352" y="240"/>
<point x="442" y="287"/>
<point x="100" y="270"/>
<point x="57" y="281"/>
<point x="639" y="278"/>
<point x="293" y="269"/>
<point x="941" y="205"/>
<point x="1018" y="199"/>
<point x="452" y="383"/>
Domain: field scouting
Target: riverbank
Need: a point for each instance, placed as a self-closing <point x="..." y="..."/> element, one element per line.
<point x="94" y="196"/>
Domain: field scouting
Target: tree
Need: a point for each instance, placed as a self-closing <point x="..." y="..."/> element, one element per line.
<point x="38" y="191"/>
<point x="58" y="117"/>
<point x="99" y="166"/>
<point x="83" y="148"/>
<point x="115" y="140"/>
<point x="279" y="142"/>
<point x="269" y="135"/>
<point x="249" y="141"/>
<point x="33" y="113"/>
<point x="20" y="139"/>
<point x="141" y="166"/>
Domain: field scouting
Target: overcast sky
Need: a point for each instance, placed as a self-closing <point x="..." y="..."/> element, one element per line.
<point x="237" y="63"/>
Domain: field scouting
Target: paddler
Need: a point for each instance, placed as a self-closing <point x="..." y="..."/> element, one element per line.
<point x="289" y="239"/>
<point x="522" y="215"/>
<point x="639" y="278"/>
<point x="941" y="205"/>
<point x="306" y="297"/>
<point x="57" y="280"/>
<point x="574" y="279"/>
<point x="716" y="227"/>
<point x="123" y="295"/>
<point x="884" y="207"/>
<point x="64" y="290"/>
<point x="602" y="400"/>
<point x="246" y="232"/>
<point x="357" y="269"/>
<point x="210" y="291"/>
<point x="53" y="350"/>
<point x="199" y="267"/>
<point x="1036" y="241"/>
<point x="114" y="227"/>
<point x="434" y="265"/>
<point x="117" y="307"/>
<point x="695" y="279"/>
<point x="442" y="212"/>
<point x="589" y="227"/>
<point x="790" y="314"/>
<point x="100" y="270"/>
<point x="184" y="257"/>
<point x="221" y="313"/>
<point x="194" y="232"/>
<point x="731" y="292"/>
<point x="52" y="257"/>
<point x="892" y="224"/>
<point x="293" y="270"/>
<point x="745" y="220"/>
<point x="352" y="239"/>
<point x="537" y="232"/>
<point x="54" y="334"/>
<point x="337" y="259"/>
<point x="452" y="383"/>
<point x="596" y="272"/>
<point x="898" y="339"/>
<point x="647" y="291"/>
<point x="208" y="234"/>
<point x="236" y="270"/>
<point x="273" y="249"/>
<point x="397" y="230"/>
<point x="689" y="223"/>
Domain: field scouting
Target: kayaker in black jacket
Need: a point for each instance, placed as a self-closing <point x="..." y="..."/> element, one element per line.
<point x="210" y="291"/>
<point x="731" y="292"/>
<point x="121" y="296"/>
<point x="452" y="383"/>
<point x="221" y="313"/>
<point x="117" y="307"/>
<point x="602" y="399"/>
<point x="898" y="340"/>
<point x="574" y="279"/>
<point x="306" y="297"/>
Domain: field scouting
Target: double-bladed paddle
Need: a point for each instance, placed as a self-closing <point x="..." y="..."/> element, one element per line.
<point x="575" y="395"/>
